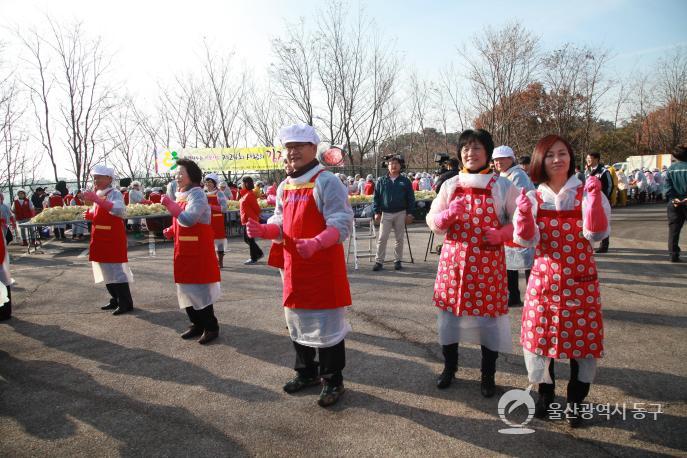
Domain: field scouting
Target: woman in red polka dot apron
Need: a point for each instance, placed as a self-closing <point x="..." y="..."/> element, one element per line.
<point x="562" y="316"/>
<point x="474" y="210"/>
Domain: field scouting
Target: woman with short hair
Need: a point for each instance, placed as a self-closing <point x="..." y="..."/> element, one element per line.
<point x="250" y="210"/>
<point x="561" y="317"/>
<point x="195" y="271"/>
<point x="474" y="209"/>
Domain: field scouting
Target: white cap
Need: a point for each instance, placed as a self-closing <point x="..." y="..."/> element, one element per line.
<point x="503" y="151"/>
<point x="135" y="183"/>
<point x="103" y="170"/>
<point x="370" y="178"/>
<point x="212" y="176"/>
<point x="298" y="133"/>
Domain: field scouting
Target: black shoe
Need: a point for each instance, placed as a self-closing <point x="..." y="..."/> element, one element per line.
<point x="398" y="266"/>
<point x="515" y="303"/>
<point x="378" y="266"/>
<point x="109" y="306"/>
<point x="192" y="332"/>
<point x="121" y="310"/>
<point x="572" y="415"/>
<point x="541" y="408"/>
<point x="488" y="386"/>
<point x="601" y="249"/>
<point x="674" y="258"/>
<point x="446" y="377"/>
<point x="300" y="383"/>
<point x="208" y="336"/>
<point x="330" y="394"/>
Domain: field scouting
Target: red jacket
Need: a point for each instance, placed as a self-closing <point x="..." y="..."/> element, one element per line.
<point x="22" y="211"/>
<point x="369" y="188"/>
<point x="249" y="207"/>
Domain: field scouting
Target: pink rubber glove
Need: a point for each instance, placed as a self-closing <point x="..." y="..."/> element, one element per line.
<point x="215" y="208"/>
<point x="455" y="209"/>
<point x="168" y="233"/>
<point x="494" y="236"/>
<point x="308" y="247"/>
<point x="173" y="208"/>
<point x="594" y="215"/>
<point x="524" y="220"/>
<point x="102" y="202"/>
<point x="256" y="230"/>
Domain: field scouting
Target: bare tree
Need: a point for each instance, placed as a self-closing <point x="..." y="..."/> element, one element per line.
<point x="672" y="94"/>
<point x="420" y="98"/>
<point x="262" y="113"/>
<point x="40" y="86"/>
<point x="452" y="89"/>
<point x="594" y="87"/>
<point x="503" y="66"/>
<point x="124" y="131"/>
<point x="293" y="72"/>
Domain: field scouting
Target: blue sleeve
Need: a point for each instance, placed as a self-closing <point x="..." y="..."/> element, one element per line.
<point x="411" y="196"/>
<point x="377" y="199"/>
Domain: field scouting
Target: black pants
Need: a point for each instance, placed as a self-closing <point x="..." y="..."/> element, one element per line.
<point x="514" y="287"/>
<point x="332" y="361"/>
<point x="604" y="243"/>
<point x="577" y="390"/>
<point x="6" y="310"/>
<point x="120" y="295"/>
<point x="676" y="219"/>
<point x="489" y="358"/>
<point x="204" y="318"/>
<point x="255" y="251"/>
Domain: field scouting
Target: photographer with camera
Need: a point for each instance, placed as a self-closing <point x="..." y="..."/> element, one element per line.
<point x="393" y="205"/>
<point x="448" y="168"/>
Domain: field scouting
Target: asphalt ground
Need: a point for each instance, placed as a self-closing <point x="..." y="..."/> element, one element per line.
<point x="77" y="381"/>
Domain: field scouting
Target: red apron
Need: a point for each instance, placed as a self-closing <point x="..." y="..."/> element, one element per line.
<point x="217" y="218"/>
<point x="471" y="277"/>
<point x="276" y="257"/>
<point x="108" y="237"/>
<point x="55" y="201"/>
<point x="194" y="253"/>
<point x="319" y="282"/>
<point x="22" y="211"/>
<point x="562" y="313"/>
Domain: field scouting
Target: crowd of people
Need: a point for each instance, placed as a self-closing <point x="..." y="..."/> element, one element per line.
<point x="499" y="216"/>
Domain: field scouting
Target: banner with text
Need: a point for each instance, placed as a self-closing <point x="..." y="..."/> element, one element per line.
<point x="223" y="159"/>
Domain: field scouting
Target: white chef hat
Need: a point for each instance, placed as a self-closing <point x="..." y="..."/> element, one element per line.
<point x="212" y="176"/>
<point x="21" y="190"/>
<point x="503" y="151"/>
<point x="103" y="170"/>
<point x="298" y="133"/>
<point x="135" y="183"/>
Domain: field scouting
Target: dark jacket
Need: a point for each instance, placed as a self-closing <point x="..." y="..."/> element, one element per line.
<point x="393" y="196"/>
<point x="676" y="181"/>
<point x="443" y="177"/>
<point x="604" y="176"/>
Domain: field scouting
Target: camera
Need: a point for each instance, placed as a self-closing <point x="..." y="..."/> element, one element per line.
<point x="398" y="157"/>
<point x="442" y="160"/>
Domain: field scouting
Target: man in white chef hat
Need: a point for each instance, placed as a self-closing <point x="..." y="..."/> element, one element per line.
<point x="108" y="247"/>
<point x="312" y="217"/>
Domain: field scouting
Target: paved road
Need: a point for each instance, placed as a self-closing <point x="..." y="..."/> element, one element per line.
<point x="77" y="381"/>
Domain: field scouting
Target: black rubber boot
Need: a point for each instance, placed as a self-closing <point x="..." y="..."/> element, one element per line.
<point x="450" y="365"/>
<point x="220" y="259"/>
<point x="488" y="382"/>
<point x="6" y="310"/>
<point x="124" y="300"/>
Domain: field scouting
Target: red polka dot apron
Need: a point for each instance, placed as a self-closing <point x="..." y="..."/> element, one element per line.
<point x="562" y="313"/>
<point x="471" y="274"/>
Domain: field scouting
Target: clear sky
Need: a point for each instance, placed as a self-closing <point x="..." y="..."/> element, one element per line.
<point x="153" y="40"/>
